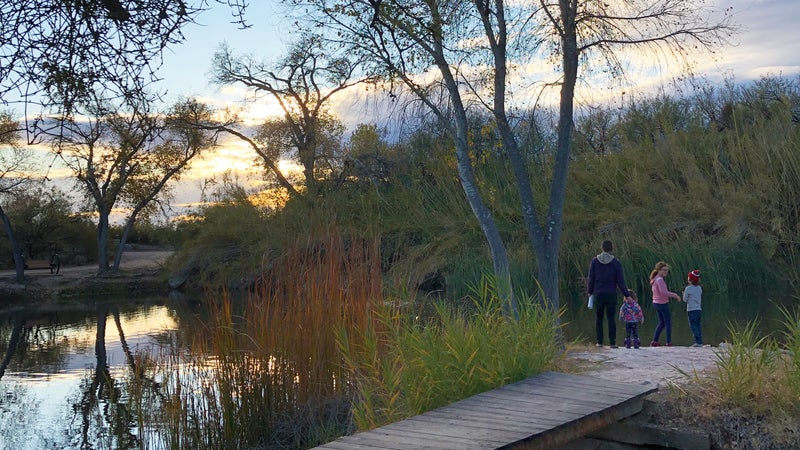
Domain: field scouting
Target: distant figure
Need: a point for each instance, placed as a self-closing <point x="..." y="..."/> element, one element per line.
<point x="605" y="276"/>
<point x="661" y="296"/>
<point x="693" y="296"/>
<point x="631" y="314"/>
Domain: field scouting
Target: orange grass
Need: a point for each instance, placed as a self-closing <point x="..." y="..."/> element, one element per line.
<point x="278" y="370"/>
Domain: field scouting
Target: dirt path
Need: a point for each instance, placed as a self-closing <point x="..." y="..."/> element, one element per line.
<point x="135" y="264"/>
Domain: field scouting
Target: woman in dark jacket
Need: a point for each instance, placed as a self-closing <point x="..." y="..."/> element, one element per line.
<point x="605" y="276"/>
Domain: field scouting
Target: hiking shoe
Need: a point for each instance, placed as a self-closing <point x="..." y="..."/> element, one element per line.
<point x="614" y="346"/>
<point x="654" y="344"/>
<point x="636" y="343"/>
<point x="669" y="344"/>
<point x="697" y="345"/>
<point x="627" y="343"/>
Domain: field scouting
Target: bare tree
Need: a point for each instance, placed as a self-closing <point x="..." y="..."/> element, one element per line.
<point x="16" y="169"/>
<point x="125" y="156"/>
<point x="425" y="46"/>
<point x="302" y="83"/>
<point x="461" y="39"/>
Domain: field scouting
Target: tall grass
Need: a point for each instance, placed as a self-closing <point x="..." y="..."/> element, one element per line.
<point x="791" y="336"/>
<point x="270" y="376"/>
<point x="682" y="188"/>
<point x="759" y="375"/>
<point x="402" y="365"/>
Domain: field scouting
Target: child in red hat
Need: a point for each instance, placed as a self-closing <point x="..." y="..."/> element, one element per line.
<point x="693" y="295"/>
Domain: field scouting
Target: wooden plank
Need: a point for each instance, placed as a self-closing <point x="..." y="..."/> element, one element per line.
<point x="569" y="431"/>
<point x="504" y="416"/>
<point x="455" y="428"/>
<point x="547" y="385"/>
<point x="585" y="384"/>
<point x="516" y="402"/>
<point x="546" y="410"/>
<point x="566" y="401"/>
<point x="534" y="404"/>
<point x="407" y="437"/>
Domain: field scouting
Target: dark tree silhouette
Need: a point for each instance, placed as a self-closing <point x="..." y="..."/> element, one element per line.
<point x="53" y="52"/>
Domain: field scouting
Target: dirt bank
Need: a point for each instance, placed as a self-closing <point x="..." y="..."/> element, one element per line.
<point x="139" y="270"/>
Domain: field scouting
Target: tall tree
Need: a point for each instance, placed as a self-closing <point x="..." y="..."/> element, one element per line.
<point x="303" y="84"/>
<point x="577" y="30"/>
<point x="125" y="156"/>
<point x="460" y="39"/>
<point x="16" y="175"/>
<point x="419" y="44"/>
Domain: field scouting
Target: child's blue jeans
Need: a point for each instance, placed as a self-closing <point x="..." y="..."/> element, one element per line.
<point x="694" y="325"/>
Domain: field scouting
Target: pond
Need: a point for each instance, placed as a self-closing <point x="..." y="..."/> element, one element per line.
<point x="58" y="367"/>
<point x="66" y="376"/>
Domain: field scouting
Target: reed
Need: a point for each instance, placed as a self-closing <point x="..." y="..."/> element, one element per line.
<point x="403" y="365"/>
<point x="267" y="374"/>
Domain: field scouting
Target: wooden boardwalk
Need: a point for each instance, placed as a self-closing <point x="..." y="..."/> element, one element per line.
<point x="544" y="411"/>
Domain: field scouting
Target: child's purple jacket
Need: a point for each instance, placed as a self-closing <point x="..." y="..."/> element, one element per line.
<point x="631" y="312"/>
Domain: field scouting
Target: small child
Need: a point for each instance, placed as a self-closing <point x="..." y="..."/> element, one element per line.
<point x="631" y="314"/>
<point x="693" y="295"/>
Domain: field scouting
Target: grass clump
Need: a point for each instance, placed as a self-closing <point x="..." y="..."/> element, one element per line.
<point x="752" y="398"/>
<point x="403" y="365"/>
<point x="747" y="371"/>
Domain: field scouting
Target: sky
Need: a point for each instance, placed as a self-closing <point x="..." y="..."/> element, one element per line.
<point x="766" y="45"/>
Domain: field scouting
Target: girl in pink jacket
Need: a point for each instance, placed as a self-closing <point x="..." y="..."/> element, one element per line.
<point x="661" y="296"/>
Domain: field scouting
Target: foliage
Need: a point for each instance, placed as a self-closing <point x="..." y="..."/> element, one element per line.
<point x="125" y="155"/>
<point x="403" y="364"/>
<point x="302" y="83"/>
<point x="675" y="185"/>
<point x="791" y="341"/>
<point x="57" y="52"/>
<point x="669" y="185"/>
<point x="746" y="370"/>
<point x="50" y="222"/>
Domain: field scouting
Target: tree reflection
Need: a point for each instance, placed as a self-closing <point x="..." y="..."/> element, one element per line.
<point x="117" y="403"/>
<point x="13" y="343"/>
<point x="108" y="407"/>
<point x="33" y="344"/>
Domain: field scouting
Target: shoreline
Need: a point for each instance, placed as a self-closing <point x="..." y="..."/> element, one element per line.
<point x="140" y="271"/>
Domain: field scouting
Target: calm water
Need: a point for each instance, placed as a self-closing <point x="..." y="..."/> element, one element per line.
<point x="55" y="363"/>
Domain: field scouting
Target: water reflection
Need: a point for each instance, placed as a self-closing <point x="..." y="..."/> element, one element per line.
<point x="64" y="375"/>
<point x="116" y="376"/>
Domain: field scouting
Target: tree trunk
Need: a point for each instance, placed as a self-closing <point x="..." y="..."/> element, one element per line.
<point x="502" y="272"/>
<point x="537" y="237"/>
<point x="102" y="241"/>
<point x="19" y="265"/>
<point x="548" y="263"/>
<point x="122" y="240"/>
